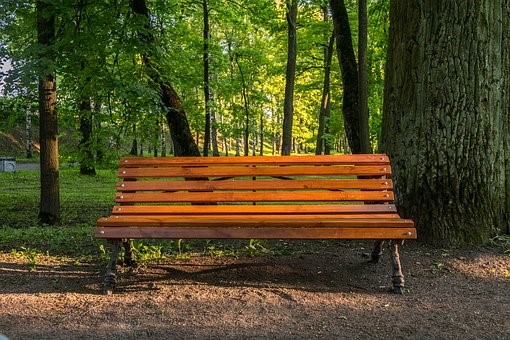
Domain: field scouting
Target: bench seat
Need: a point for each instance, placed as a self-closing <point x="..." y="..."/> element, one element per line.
<point x="284" y="197"/>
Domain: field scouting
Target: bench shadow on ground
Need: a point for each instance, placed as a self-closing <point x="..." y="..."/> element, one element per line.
<point x="309" y="273"/>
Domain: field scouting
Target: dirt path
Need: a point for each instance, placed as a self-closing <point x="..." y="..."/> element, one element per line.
<point x="457" y="294"/>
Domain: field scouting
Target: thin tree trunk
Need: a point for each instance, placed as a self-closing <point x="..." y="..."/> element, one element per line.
<point x="246" y="112"/>
<point x="261" y="152"/>
<point x="325" y="101"/>
<point x="163" y="140"/>
<point x="364" y="133"/>
<point x="347" y="60"/>
<point x="207" y="100"/>
<point x="214" y="129"/>
<point x="134" y="144"/>
<point x="87" y="161"/>
<point x="49" y="211"/>
<point x="98" y="141"/>
<point x="290" y="76"/>
<point x="28" y="133"/>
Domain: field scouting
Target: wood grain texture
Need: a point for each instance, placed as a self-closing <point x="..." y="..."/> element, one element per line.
<point x="245" y="171"/>
<point x="253" y="233"/>
<point x="326" y="184"/>
<point x="273" y="196"/>
<point x="255" y="209"/>
<point x="254" y="160"/>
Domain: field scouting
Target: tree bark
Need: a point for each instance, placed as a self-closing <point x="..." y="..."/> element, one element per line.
<point x="364" y="132"/>
<point x="28" y="133"/>
<point x="445" y="108"/>
<point x="207" y="99"/>
<point x="325" y="101"/>
<point x="184" y="145"/>
<point x="290" y="76"/>
<point x="87" y="161"/>
<point x="506" y="106"/>
<point x="134" y="143"/>
<point x="49" y="210"/>
<point x="347" y="60"/>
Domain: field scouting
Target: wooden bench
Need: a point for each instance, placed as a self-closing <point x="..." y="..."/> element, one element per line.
<point x="271" y="197"/>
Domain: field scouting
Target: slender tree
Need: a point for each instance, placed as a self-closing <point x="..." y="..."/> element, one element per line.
<point x="207" y="91"/>
<point x="182" y="139"/>
<point x="348" y="66"/>
<point x="290" y="75"/>
<point x="326" y="92"/>
<point x="49" y="212"/>
<point x="365" y="146"/>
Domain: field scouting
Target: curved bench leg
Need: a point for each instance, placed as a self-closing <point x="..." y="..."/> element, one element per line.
<point x="397" y="276"/>
<point x="377" y="250"/>
<point x="128" y="254"/>
<point x="111" y="269"/>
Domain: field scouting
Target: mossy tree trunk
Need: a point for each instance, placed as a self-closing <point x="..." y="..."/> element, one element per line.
<point x="446" y="111"/>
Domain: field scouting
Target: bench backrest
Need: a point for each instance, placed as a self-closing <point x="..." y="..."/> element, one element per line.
<point x="255" y="184"/>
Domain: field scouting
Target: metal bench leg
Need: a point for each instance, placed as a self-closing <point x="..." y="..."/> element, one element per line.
<point x="397" y="276"/>
<point x="111" y="270"/>
<point x="377" y="250"/>
<point x="128" y="254"/>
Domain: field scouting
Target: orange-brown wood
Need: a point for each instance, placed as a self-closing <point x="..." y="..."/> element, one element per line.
<point x="156" y="208"/>
<point x="205" y="172"/>
<point x="260" y="233"/>
<point x="249" y="210"/>
<point x="253" y="160"/>
<point x="254" y="196"/>
<point x="329" y="184"/>
<point x="289" y="221"/>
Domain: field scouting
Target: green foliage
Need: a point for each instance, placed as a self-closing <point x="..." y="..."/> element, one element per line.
<point x="99" y="57"/>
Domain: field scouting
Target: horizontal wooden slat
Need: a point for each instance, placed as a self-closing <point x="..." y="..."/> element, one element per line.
<point x="253" y="160"/>
<point x="330" y="184"/>
<point x="289" y="221"/>
<point x="203" y="172"/>
<point x="254" y="196"/>
<point x="255" y="209"/>
<point x="254" y="233"/>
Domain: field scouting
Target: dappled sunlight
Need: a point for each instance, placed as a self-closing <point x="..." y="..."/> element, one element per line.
<point x="485" y="266"/>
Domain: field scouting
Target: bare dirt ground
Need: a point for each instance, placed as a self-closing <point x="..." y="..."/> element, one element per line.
<point x="337" y="294"/>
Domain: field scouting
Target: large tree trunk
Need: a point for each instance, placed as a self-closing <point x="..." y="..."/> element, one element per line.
<point x="49" y="212"/>
<point x="347" y="60"/>
<point x="184" y="145"/>
<point x="290" y="76"/>
<point x="444" y="113"/>
<point x="506" y="106"/>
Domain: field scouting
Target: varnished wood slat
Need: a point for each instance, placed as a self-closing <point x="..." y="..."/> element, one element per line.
<point x="330" y="184"/>
<point x="253" y="160"/>
<point x="254" y="196"/>
<point x="317" y="216"/>
<point x="257" y="209"/>
<point x="289" y="221"/>
<point x="203" y="172"/>
<point x="253" y="233"/>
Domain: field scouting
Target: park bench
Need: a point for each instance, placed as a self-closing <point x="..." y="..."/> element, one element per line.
<point x="255" y="197"/>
